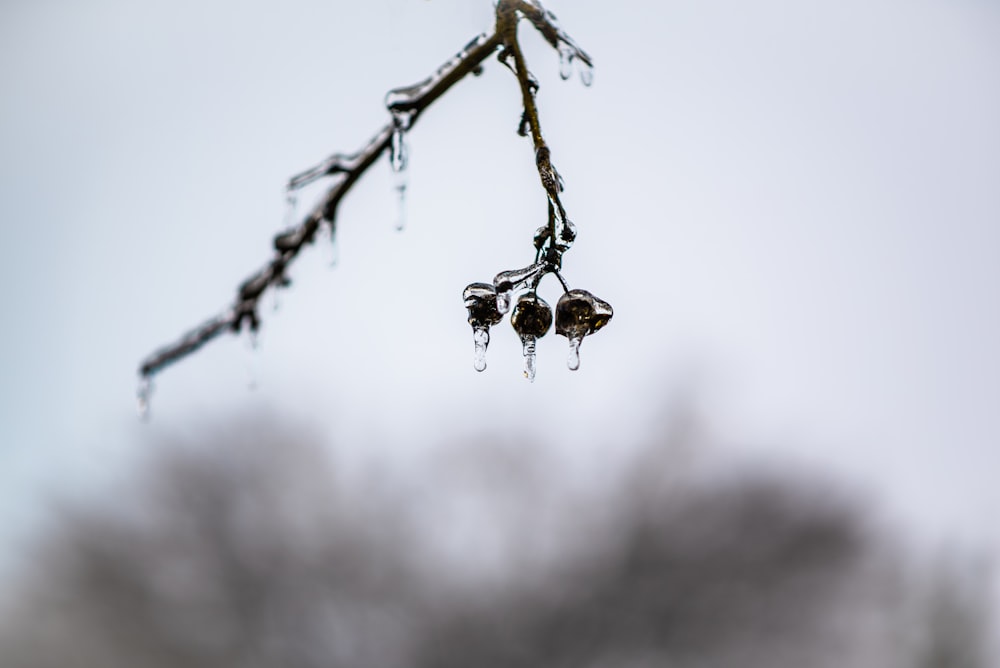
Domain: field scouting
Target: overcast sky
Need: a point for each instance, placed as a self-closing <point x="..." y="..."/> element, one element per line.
<point x="794" y="209"/>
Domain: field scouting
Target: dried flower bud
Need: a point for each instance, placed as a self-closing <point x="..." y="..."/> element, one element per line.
<point x="579" y="313"/>
<point x="532" y="316"/>
<point x="481" y="301"/>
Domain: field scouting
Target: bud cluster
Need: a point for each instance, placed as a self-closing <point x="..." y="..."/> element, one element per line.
<point x="578" y="313"/>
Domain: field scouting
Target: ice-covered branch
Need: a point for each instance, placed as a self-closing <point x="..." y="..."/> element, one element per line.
<point x="405" y="106"/>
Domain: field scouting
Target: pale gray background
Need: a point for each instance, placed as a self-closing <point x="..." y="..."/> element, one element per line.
<point x="794" y="208"/>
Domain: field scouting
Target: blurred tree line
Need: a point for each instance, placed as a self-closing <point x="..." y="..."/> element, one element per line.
<point x="254" y="549"/>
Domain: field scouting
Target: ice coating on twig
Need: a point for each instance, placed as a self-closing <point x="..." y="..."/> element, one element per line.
<point x="506" y="282"/>
<point x="406" y="105"/>
<point x="408" y="97"/>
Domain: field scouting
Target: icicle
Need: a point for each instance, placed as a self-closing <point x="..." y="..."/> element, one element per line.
<point x="326" y="235"/>
<point x="586" y="74"/>
<point x="481" y="336"/>
<point x="573" y="361"/>
<point x="528" y="344"/>
<point x="253" y="344"/>
<point x="143" y="396"/>
<point x="291" y="206"/>
<point x="566" y="57"/>
<point x="398" y="160"/>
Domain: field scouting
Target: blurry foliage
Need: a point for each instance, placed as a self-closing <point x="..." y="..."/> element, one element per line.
<point x="253" y="549"/>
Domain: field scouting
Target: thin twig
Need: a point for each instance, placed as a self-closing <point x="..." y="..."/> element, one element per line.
<point x="406" y="105"/>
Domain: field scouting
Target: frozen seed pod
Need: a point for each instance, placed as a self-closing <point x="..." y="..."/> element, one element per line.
<point x="542" y="235"/>
<point x="532" y="318"/>
<point x="579" y="313"/>
<point x="481" y="302"/>
<point x="566" y="236"/>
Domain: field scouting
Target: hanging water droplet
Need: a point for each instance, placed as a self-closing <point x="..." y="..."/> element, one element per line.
<point x="586" y="74"/>
<point x="481" y="337"/>
<point x="566" y="56"/>
<point x="291" y="206"/>
<point x="401" y="183"/>
<point x="503" y="301"/>
<point x="143" y="396"/>
<point x="528" y="350"/>
<point x="573" y="361"/>
<point x="398" y="160"/>
<point x="253" y="359"/>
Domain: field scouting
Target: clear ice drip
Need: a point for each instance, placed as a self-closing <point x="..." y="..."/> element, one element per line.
<point x="143" y="396"/>
<point x="586" y="74"/>
<point x="481" y="337"/>
<point x="291" y="206"/>
<point x="398" y="160"/>
<point x="253" y="360"/>
<point x="573" y="361"/>
<point x="566" y="56"/>
<point x="528" y="350"/>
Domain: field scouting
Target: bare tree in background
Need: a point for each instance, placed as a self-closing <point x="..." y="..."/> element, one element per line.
<point x="253" y="550"/>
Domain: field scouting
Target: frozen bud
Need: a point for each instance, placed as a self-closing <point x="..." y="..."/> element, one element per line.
<point x="532" y="316"/>
<point x="541" y="236"/>
<point x="578" y="314"/>
<point x="481" y="301"/>
<point x="567" y="235"/>
<point x="531" y="319"/>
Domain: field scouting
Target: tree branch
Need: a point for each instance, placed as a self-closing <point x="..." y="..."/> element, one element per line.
<point x="405" y="105"/>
